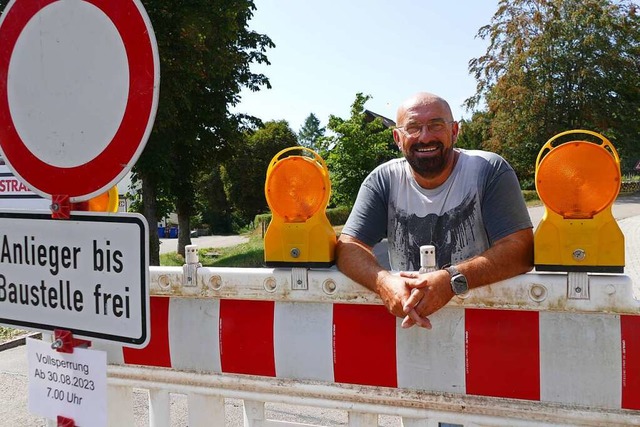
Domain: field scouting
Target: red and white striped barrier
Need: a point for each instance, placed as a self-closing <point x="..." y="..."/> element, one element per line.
<point x="590" y="359"/>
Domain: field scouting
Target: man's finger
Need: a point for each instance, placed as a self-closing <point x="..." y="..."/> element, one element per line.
<point x="413" y="316"/>
<point x="409" y="274"/>
<point x="413" y="300"/>
<point x="407" y="322"/>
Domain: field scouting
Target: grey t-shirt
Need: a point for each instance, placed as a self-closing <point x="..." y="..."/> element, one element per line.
<point x="478" y="204"/>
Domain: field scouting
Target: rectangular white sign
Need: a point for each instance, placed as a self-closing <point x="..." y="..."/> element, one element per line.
<point x="72" y="385"/>
<point x="87" y="274"/>
<point x="15" y="195"/>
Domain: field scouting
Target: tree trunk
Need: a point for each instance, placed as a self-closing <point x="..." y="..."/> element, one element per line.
<point x="149" y="212"/>
<point x="184" y="229"/>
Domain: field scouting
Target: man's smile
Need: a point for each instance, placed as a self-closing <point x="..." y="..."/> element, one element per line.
<point x="427" y="150"/>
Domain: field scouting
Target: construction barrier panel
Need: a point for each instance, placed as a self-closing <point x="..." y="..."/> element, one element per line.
<point x="519" y="351"/>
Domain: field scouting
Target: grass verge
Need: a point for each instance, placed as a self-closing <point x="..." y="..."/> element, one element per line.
<point x="7" y="334"/>
<point x="249" y="254"/>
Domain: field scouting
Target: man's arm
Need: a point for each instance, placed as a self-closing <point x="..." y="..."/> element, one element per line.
<point x="357" y="261"/>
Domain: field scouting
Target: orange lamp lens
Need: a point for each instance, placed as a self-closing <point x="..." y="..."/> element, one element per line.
<point x="578" y="179"/>
<point x="99" y="203"/>
<point x="296" y="189"/>
<point x="105" y="202"/>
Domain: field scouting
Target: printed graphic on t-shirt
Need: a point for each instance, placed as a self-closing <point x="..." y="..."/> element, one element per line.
<point x="457" y="234"/>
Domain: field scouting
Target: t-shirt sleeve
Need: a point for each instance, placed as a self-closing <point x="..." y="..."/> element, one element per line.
<point x="503" y="207"/>
<point x="367" y="221"/>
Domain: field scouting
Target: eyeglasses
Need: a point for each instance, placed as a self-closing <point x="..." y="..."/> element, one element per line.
<point x="415" y="129"/>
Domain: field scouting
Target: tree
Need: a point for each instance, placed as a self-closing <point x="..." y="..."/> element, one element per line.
<point x="205" y="53"/>
<point x="243" y="175"/>
<point x="217" y="212"/>
<point x="311" y="132"/>
<point x="474" y="132"/>
<point x="356" y="149"/>
<point x="555" y="65"/>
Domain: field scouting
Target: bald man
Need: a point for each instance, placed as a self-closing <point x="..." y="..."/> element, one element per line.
<point x="466" y="203"/>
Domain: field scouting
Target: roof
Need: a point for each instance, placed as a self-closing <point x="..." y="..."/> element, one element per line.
<point x="385" y="121"/>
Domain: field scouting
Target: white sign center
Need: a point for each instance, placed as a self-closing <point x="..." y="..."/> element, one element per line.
<point x="70" y="54"/>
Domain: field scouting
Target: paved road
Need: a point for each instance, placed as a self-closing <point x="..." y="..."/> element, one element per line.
<point x="171" y="245"/>
<point x="13" y="363"/>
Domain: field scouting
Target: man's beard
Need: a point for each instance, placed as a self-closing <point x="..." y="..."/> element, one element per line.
<point x="428" y="167"/>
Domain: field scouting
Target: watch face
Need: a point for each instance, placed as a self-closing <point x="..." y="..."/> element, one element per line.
<point x="459" y="284"/>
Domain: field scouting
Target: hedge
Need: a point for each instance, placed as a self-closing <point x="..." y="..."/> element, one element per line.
<point x="336" y="216"/>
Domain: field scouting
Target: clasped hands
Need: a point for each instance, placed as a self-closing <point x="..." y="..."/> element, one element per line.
<point x="414" y="296"/>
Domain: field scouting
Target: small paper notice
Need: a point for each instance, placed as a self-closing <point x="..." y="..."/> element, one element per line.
<point x="73" y="385"/>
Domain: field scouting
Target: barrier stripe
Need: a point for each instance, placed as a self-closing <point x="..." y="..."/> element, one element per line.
<point x="502" y="353"/>
<point x="246" y="337"/>
<point x="433" y="359"/>
<point x="194" y="334"/>
<point x="568" y="358"/>
<point x="156" y="353"/>
<point x="364" y="345"/>
<point x="302" y="341"/>
<point x="580" y="359"/>
<point x="630" y="343"/>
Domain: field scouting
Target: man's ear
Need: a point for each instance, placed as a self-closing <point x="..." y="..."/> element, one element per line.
<point x="455" y="130"/>
<point x="396" y="138"/>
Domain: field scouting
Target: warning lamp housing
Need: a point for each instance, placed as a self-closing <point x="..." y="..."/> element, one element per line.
<point x="578" y="181"/>
<point x="104" y="202"/>
<point x="297" y="189"/>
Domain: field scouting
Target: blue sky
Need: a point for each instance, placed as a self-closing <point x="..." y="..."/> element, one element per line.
<point x="327" y="51"/>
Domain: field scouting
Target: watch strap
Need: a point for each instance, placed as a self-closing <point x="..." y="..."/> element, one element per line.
<point x="452" y="270"/>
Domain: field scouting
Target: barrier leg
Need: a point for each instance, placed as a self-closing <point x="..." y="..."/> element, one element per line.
<point x="120" y="406"/>
<point x="205" y="410"/>
<point x="159" y="415"/>
<point x="359" y="419"/>
<point x="253" y="413"/>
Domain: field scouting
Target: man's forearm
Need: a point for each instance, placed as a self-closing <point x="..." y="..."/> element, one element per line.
<point x="358" y="262"/>
<point x="509" y="257"/>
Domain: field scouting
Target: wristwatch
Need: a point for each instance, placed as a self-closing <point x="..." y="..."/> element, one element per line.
<point x="459" y="284"/>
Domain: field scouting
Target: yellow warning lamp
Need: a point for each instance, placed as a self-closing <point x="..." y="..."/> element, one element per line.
<point x="297" y="189"/>
<point x="105" y="202"/>
<point x="578" y="182"/>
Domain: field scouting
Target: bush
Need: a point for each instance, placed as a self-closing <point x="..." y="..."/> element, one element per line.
<point x="530" y="195"/>
<point x="339" y="215"/>
<point x="628" y="187"/>
<point x="336" y="216"/>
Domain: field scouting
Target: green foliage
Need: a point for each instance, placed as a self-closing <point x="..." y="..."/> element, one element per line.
<point x="474" y="132"/>
<point x="336" y="216"/>
<point x="356" y="149"/>
<point x="311" y="132"/>
<point x="243" y="175"/>
<point x="250" y="254"/>
<point x="556" y="65"/>
<point x="206" y="50"/>
<point x="216" y="212"/>
<point x="7" y="334"/>
<point x="530" y="195"/>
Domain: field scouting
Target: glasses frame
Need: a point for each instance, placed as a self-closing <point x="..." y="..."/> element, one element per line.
<point x="422" y="125"/>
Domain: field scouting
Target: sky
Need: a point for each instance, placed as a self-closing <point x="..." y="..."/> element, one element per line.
<point x="327" y="51"/>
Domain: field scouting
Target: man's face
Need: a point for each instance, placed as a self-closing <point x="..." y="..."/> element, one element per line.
<point x="426" y="134"/>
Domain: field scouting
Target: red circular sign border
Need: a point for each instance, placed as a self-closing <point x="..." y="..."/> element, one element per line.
<point x="97" y="174"/>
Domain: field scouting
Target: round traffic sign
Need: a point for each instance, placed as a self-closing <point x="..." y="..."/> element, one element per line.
<point x="79" y="84"/>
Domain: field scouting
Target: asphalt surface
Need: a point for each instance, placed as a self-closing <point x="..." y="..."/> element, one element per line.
<point x="13" y="360"/>
<point x="171" y="245"/>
